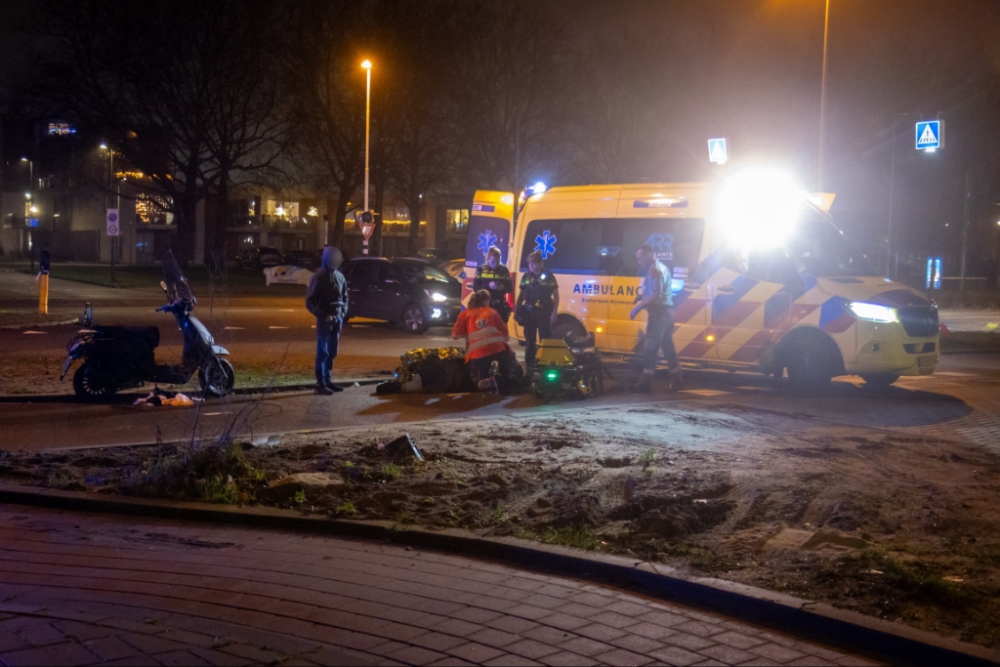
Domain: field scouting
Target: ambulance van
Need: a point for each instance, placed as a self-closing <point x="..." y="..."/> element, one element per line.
<point x="762" y="278"/>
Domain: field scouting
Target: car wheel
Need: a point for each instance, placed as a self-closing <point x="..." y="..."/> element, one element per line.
<point x="413" y="319"/>
<point x="218" y="379"/>
<point x="89" y="386"/>
<point x="879" y="380"/>
<point x="809" y="365"/>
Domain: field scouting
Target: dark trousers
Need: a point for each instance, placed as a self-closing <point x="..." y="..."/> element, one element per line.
<point x="509" y="370"/>
<point x="537" y="323"/>
<point x="659" y="334"/>
<point x="327" y="346"/>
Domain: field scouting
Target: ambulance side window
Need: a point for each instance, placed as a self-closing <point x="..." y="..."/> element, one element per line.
<point x="676" y="242"/>
<point x="568" y="246"/>
<point x="766" y="264"/>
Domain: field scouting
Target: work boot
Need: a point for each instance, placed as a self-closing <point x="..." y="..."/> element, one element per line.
<point x="332" y="387"/>
<point x="676" y="379"/>
<point x="489" y="384"/>
<point x="323" y="390"/>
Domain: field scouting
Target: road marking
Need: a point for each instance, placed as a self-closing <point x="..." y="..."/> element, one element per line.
<point x="954" y="374"/>
<point x="35" y="332"/>
<point x="706" y="392"/>
<point x="279" y="327"/>
<point x="233" y="329"/>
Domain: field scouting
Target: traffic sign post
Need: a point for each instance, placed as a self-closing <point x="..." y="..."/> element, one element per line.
<point x="113" y="226"/>
<point x="930" y="135"/>
<point x="717" y="151"/>
<point x="366" y="223"/>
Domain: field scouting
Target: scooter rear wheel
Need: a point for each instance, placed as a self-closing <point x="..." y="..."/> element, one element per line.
<point x="89" y="386"/>
<point x="218" y="378"/>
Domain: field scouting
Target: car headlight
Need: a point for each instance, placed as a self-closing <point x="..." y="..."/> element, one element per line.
<point x="437" y="297"/>
<point x="873" y="312"/>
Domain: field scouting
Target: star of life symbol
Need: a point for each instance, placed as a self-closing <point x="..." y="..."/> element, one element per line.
<point x="546" y="244"/>
<point x="486" y="240"/>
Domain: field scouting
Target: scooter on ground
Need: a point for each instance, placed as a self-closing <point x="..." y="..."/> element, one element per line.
<point x="121" y="357"/>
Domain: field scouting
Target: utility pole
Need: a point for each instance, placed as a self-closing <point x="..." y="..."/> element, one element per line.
<point x="965" y="225"/>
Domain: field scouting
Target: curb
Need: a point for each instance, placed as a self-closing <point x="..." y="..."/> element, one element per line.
<point x="850" y="631"/>
<point x="32" y="325"/>
<point x="242" y="391"/>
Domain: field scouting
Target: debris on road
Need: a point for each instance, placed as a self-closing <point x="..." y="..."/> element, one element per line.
<point x="159" y="397"/>
<point x="402" y="447"/>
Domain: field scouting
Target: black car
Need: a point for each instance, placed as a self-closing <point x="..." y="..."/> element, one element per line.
<point x="410" y="292"/>
<point x="304" y="258"/>
<point x="258" y="258"/>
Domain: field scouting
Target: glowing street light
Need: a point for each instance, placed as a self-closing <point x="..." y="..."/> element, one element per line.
<point x="367" y="65"/>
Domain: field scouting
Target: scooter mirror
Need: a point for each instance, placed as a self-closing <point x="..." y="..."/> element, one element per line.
<point x="163" y="286"/>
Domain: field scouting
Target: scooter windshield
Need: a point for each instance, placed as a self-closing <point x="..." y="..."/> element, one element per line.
<point x="177" y="285"/>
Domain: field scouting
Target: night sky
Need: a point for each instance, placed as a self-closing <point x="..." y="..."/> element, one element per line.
<point x="750" y="70"/>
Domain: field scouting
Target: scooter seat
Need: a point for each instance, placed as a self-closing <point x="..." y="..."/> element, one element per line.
<point x="149" y="335"/>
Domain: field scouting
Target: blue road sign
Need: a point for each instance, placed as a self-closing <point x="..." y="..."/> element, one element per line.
<point x="32" y="222"/>
<point x="717" y="151"/>
<point x="930" y="135"/>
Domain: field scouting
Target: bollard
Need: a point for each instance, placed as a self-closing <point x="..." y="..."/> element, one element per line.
<point x="43" y="283"/>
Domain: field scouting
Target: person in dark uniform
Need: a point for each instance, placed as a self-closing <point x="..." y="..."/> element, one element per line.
<point x="495" y="278"/>
<point x="657" y="299"/>
<point x="326" y="298"/>
<point x="539" y="294"/>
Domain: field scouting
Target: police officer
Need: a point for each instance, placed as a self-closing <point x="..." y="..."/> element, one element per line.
<point x="657" y="300"/>
<point x="495" y="278"/>
<point x="539" y="293"/>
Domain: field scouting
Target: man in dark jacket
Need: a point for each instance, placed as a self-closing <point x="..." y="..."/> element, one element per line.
<point x="326" y="298"/>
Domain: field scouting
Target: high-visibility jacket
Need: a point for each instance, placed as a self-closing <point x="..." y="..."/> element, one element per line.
<point x="484" y="332"/>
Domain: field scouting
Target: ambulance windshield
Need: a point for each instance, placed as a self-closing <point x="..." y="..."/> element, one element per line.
<point x="823" y="251"/>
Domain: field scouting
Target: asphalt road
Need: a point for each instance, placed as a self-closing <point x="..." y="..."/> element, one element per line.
<point x="959" y="401"/>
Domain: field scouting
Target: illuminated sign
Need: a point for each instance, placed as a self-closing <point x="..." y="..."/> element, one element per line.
<point x="717" y="151"/>
<point x="930" y="135"/>
<point x="61" y="129"/>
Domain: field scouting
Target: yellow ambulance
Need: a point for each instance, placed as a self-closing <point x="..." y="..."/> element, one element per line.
<point x="762" y="278"/>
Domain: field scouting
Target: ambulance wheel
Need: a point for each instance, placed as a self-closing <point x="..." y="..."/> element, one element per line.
<point x="89" y="386"/>
<point x="566" y="327"/>
<point x="809" y="364"/>
<point x="413" y="319"/>
<point x="879" y="380"/>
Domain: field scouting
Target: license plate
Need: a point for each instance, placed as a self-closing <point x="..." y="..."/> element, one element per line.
<point x="924" y="362"/>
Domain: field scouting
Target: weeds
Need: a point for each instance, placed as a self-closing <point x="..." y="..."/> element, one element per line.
<point x="390" y="472"/>
<point x="646" y="460"/>
<point x="299" y="497"/>
<point x="579" y="537"/>
<point x="347" y="509"/>
<point x="220" y="491"/>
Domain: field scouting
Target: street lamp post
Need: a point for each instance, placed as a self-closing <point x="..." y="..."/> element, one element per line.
<point x="822" y="101"/>
<point x="367" y="65"/>
<point x="31" y="201"/>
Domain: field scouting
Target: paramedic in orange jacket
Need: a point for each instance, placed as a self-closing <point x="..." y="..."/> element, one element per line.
<point x="485" y="343"/>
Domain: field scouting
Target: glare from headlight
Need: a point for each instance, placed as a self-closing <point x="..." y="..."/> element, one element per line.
<point x="873" y="312"/>
<point x="437" y="297"/>
<point x="436" y="314"/>
<point x="758" y="207"/>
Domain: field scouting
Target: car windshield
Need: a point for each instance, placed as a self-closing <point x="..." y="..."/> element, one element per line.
<point x="823" y="251"/>
<point x="421" y="273"/>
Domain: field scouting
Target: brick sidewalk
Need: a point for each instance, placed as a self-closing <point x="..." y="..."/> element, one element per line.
<point x="81" y="589"/>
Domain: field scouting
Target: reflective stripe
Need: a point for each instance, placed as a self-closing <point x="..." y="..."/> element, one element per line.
<point x="484" y="337"/>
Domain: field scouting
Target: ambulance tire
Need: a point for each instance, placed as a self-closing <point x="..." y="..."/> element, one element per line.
<point x="879" y="380"/>
<point x="809" y="363"/>
<point x="564" y="327"/>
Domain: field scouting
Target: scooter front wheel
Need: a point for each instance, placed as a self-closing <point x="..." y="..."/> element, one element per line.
<point x="89" y="386"/>
<point x="217" y="377"/>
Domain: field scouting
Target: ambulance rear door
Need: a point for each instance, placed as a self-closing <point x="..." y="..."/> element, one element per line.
<point x="490" y="224"/>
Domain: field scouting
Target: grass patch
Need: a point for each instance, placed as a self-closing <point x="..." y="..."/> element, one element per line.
<point x="347" y="509"/>
<point x="646" y="460"/>
<point x="579" y="537"/>
<point x="390" y="472"/>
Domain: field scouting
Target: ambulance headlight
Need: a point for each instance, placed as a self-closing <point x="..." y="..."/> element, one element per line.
<point x="758" y="207"/>
<point x="436" y="314"/>
<point x="437" y="297"/>
<point x="873" y="312"/>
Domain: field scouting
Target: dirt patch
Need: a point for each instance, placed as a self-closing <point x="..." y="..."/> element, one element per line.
<point x="897" y="527"/>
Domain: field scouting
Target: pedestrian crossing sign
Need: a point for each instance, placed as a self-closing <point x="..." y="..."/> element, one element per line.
<point x="717" y="151"/>
<point x="930" y="135"/>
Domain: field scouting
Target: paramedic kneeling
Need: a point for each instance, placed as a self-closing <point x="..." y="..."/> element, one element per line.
<point x="485" y="344"/>
<point x="539" y="294"/>
<point x="657" y="300"/>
